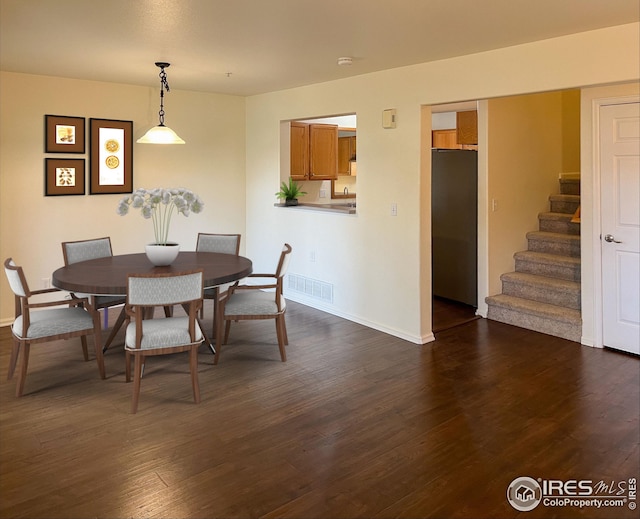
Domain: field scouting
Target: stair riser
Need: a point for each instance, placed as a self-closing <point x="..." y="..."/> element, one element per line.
<point x="569" y="187"/>
<point x="565" y="330"/>
<point x="562" y="226"/>
<point x="568" y="248"/>
<point x="552" y="271"/>
<point x="564" y="206"/>
<point x="543" y="294"/>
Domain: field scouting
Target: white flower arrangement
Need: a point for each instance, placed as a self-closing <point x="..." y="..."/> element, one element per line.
<point x="159" y="205"/>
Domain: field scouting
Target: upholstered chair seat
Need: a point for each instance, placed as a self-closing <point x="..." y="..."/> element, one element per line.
<point x="53" y="322"/>
<point x="162" y="333"/>
<point x="255" y="302"/>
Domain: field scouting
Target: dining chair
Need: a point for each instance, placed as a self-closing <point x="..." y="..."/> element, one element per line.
<point x="83" y="250"/>
<point x="263" y="301"/>
<point x="174" y="334"/>
<point x="224" y="244"/>
<point x="73" y="318"/>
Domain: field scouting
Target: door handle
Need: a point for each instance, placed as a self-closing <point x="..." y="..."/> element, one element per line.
<point x="610" y="238"/>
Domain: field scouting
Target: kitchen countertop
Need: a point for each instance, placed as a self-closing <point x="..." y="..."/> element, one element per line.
<point x="341" y="208"/>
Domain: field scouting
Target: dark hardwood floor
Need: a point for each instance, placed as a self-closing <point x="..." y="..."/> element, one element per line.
<point x="448" y="314"/>
<point x="357" y="424"/>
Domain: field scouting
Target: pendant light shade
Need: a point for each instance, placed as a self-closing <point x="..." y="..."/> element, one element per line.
<point x="161" y="134"/>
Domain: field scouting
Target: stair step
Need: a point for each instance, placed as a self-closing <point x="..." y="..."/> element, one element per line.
<point x="570" y="186"/>
<point x="541" y="317"/>
<point x="542" y="289"/>
<point x="564" y="203"/>
<point x="554" y="243"/>
<point x="558" y="222"/>
<point x="550" y="265"/>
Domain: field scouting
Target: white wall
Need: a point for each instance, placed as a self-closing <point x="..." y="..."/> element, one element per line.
<point x="380" y="264"/>
<point x="32" y="226"/>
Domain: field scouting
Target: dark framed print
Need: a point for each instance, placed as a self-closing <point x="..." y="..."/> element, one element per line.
<point x="63" y="134"/>
<point x="111" y="156"/>
<point x="63" y="177"/>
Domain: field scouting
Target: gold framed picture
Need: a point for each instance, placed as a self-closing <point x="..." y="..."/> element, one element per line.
<point x="111" y="156"/>
<point x="64" y="134"/>
<point x="64" y="177"/>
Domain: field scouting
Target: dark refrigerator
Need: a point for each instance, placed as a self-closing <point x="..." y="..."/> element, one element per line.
<point x="454" y="224"/>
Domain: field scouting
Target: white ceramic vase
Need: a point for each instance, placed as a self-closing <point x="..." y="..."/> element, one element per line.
<point x="162" y="255"/>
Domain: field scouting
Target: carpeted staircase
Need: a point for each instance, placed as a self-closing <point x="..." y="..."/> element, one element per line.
<point x="543" y="294"/>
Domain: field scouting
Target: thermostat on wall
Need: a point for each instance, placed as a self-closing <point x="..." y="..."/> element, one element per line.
<point x="389" y="118"/>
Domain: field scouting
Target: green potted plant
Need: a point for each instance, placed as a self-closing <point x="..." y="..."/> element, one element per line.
<point x="290" y="192"/>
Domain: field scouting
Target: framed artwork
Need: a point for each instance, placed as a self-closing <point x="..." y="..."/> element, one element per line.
<point x="63" y="134"/>
<point x="111" y="156"/>
<point x="63" y="177"/>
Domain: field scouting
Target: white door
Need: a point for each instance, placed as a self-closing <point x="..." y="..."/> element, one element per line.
<point x="620" y="225"/>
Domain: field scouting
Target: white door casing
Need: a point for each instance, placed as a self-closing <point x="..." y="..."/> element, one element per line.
<point x="619" y="143"/>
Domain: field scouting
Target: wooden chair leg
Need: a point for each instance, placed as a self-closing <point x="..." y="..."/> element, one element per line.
<point x="85" y="350"/>
<point x="13" y="360"/>
<point x="137" y="375"/>
<point x="284" y="330"/>
<point x="227" y="327"/>
<point x="127" y="366"/>
<point x="281" y="336"/>
<point x="193" y="365"/>
<point x="22" y="373"/>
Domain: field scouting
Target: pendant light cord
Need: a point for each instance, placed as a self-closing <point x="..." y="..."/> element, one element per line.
<point x="164" y="85"/>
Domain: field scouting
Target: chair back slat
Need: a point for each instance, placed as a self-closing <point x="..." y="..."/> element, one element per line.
<point x="16" y="278"/>
<point x="75" y="251"/>
<point x="283" y="264"/>
<point x="223" y="243"/>
<point x="164" y="289"/>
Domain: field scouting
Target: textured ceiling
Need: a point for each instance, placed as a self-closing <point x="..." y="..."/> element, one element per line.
<point x="247" y="47"/>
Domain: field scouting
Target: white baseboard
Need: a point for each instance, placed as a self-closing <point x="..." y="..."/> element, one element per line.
<point x="313" y="303"/>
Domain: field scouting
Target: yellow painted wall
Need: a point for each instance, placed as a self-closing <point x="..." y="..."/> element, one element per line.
<point x="32" y="226"/>
<point x="525" y="155"/>
<point x="571" y="131"/>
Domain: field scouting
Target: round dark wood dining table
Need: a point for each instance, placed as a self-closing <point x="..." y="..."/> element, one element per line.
<point x="108" y="276"/>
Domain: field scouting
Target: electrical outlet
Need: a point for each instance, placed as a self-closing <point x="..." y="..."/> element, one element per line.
<point x="323" y="193"/>
<point x="46" y="282"/>
<point x="312" y="256"/>
<point x="394" y="209"/>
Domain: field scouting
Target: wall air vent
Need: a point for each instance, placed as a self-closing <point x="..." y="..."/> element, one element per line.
<point x="311" y="288"/>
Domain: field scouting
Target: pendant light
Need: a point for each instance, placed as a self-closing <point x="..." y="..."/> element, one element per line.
<point x="161" y="134"/>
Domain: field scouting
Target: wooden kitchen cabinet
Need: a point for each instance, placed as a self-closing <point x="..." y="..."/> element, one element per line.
<point x="467" y="127"/>
<point x="323" y="151"/>
<point x="445" y="139"/>
<point x="314" y="151"/>
<point x="299" y="151"/>
<point x="346" y="154"/>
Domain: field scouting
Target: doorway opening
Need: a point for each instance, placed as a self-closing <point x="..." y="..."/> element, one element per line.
<point x="454" y="215"/>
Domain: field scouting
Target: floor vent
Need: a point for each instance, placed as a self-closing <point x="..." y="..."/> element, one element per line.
<point x="311" y="287"/>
